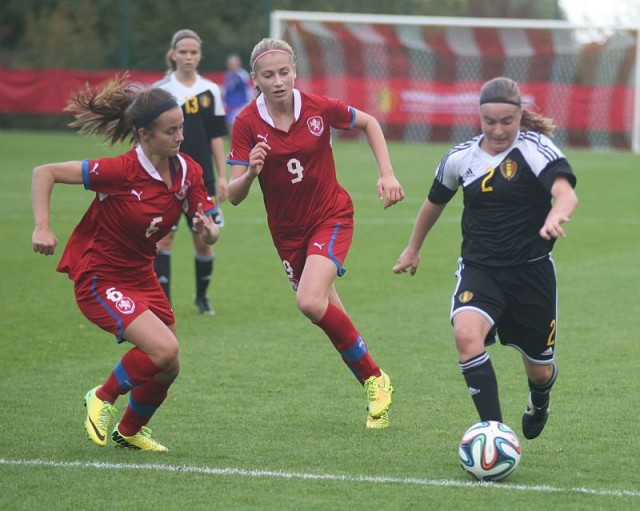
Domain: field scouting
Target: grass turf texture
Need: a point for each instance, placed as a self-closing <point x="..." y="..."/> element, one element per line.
<point x="264" y="415"/>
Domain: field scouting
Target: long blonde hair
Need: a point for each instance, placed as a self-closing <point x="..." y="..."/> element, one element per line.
<point x="505" y="90"/>
<point x="118" y="109"/>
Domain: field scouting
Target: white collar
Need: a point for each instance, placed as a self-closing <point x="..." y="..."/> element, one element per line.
<point x="151" y="170"/>
<point x="264" y="113"/>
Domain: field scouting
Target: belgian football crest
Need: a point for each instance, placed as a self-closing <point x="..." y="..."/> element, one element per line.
<point x="204" y="100"/>
<point x="465" y="296"/>
<point x="508" y="169"/>
<point x="315" y="125"/>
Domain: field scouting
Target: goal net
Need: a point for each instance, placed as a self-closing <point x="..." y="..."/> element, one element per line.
<point x="421" y="76"/>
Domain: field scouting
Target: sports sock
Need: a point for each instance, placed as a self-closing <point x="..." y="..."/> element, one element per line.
<point x="162" y="267"/>
<point x="143" y="403"/>
<point x="134" y="369"/>
<point x="540" y="393"/>
<point x="349" y="343"/>
<point x="204" y="270"/>
<point x="483" y="386"/>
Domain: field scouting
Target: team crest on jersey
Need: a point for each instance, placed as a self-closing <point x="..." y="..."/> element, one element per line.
<point x="508" y="169"/>
<point x="126" y="305"/>
<point x="315" y="125"/>
<point x="465" y="296"/>
<point x="183" y="191"/>
<point x="204" y="100"/>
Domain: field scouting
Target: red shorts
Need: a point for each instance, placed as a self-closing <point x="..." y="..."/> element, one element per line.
<point x="331" y="240"/>
<point x="113" y="306"/>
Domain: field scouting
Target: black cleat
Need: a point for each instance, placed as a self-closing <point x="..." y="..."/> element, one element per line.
<point x="534" y="420"/>
<point x="204" y="307"/>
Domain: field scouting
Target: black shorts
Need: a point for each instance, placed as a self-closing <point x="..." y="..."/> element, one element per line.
<point x="519" y="302"/>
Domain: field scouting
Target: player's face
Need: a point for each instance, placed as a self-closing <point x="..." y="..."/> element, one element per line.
<point x="166" y="136"/>
<point x="187" y="55"/>
<point x="275" y="74"/>
<point x="500" y="123"/>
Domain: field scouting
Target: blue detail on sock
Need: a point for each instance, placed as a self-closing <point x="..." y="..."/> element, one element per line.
<point x="123" y="377"/>
<point x="356" y="352"/>
<point x="108" y="309"/>
<point x="341" y="270"/>
<point x="142" y="409"/>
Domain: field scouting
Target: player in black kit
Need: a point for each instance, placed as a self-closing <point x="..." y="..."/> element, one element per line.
<point x="204" y="129"/>
<point x="518" y="192"/>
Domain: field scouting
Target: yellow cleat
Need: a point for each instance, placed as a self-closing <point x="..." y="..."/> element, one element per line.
<point x="379" y="423"/>
<point x="379" y="390"/>
<point x="99" y="416"/>
<point x="141" y="440"/>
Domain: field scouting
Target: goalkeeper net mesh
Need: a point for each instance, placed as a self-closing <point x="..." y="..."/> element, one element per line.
<point x="422" y="80"/>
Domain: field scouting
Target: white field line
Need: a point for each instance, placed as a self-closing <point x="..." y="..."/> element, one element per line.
<point x="277" y="474"/>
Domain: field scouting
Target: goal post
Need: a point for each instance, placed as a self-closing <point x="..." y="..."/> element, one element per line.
<point x="421" y="75"/>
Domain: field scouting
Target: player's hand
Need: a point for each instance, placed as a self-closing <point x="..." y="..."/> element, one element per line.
<point x="408" y="261"/>
<point x="205" y="226"/>
<point x="552" y="227"/>
<point x="257" y="156"/>
<point x="390" y="191"/>
<point x="43" y="241"/>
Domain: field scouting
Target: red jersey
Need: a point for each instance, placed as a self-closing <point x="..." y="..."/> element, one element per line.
<point x="132" y="210"/>
<point x="298" y="181"/>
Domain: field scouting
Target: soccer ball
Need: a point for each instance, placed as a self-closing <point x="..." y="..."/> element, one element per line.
<point x="489" y="451"/>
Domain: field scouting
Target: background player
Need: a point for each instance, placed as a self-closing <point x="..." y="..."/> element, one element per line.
<point x="204" y="129"/>
<point x="139" y="197"/>
<point x="284" y="139"/>
<point x="238" y="91"/>
<point x="518" y="191"/>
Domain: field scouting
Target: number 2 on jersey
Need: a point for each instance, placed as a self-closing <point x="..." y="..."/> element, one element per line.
<point x="295" y="167"/>
<point x="486" y="187"/>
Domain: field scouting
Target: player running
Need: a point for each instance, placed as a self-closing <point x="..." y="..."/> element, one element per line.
<point x="139" y="197"/>
<point x="284" y="140"/>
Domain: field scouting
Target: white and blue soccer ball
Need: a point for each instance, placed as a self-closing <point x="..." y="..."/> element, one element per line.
<point x="490" y="451"/>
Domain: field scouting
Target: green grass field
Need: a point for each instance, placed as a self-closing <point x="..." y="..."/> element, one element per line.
<point x="264" y="415"/>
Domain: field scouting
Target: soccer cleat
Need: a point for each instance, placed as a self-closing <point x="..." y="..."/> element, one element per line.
<point x="204" y="307"/>
<point x="141" y="440"/>
<point x="99" y="416"/>
<point x="379" y="423"/>
<point x="534" y="419"/>
<point x="379" y="390"/>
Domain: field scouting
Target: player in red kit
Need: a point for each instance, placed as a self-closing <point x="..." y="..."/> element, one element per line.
<point x="139" y="197"/>
<point x="284" y="139"/>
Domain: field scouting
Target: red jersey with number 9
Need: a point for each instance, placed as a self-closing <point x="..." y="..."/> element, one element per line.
<point x="132" y="210"/>
<point x="298" y="180"/>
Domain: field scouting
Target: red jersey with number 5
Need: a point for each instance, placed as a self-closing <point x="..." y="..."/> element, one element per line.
<point x="298" y="181"/>
<point x="132" y="210"/>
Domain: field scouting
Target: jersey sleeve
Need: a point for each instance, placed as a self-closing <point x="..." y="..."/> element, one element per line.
<point x="216" y="122"/>
<point x="446" y="181"/>
<point x="341" y="116"/>
<point x="546" y="160"/>
<point x="104" y="175"/>
<point x="198" y="193"/>
<point x="241" y="143"/>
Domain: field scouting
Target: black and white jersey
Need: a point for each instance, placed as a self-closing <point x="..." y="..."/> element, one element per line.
<point x="506" y="197"/>
<point x="204" y="117"/>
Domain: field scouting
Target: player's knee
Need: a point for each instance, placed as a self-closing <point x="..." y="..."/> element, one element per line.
<point x="165" y="355"/>
<point x="311" y="307"/>
<point x="540" y="374"/>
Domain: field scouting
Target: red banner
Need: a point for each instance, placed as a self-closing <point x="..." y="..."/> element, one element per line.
<point x="46" y="91"/>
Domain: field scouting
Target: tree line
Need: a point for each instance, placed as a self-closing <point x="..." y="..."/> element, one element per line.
<point x="135" y="34"/>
